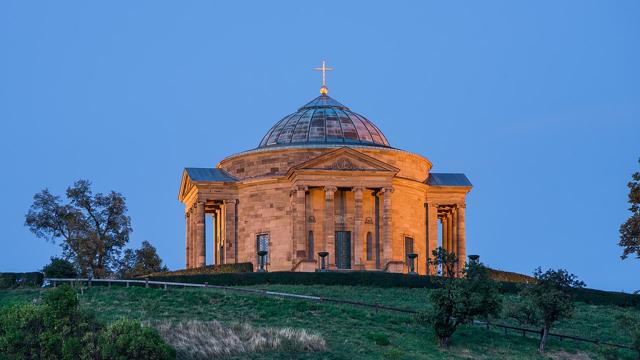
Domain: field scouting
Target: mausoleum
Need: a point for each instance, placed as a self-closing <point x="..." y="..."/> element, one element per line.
<point x="324" y="178"/>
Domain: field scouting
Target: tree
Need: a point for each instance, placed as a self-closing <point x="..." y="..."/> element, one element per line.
<point x="141" y="262"/>
<point x="60" y="268"/>
<point x="91" y="228"/>
<point x="630" y="230"/>
<point x="459" y="301"/>
<point x="546" y="301"/>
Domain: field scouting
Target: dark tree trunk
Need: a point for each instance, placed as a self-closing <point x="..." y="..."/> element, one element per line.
<point x="443" y="341"/>
<point x="544" y="338"/>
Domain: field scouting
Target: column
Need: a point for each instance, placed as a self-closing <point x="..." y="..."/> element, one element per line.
<point x="357" y="237"/>
<point x="230" y="240"/>
<point x="214" y="230"/>
<point x="299" y="222"/>
<point x="454" y="231"/>
<point x="432" y="214"/>
<point x="192" y="236"/>
<point x="450" y="232"/>
<point x="201" y="246"/>
<point x="187" y="238"/>
<point x="444" y="228"/>
<point x="329" y="224"/>
<point x="461" y="239"/>
<point x="386" y="225"/>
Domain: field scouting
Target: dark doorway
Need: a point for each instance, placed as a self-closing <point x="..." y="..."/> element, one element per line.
<point x="343" y="249"/>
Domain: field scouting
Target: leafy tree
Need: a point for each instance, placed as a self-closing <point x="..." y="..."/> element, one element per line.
<point x="459" y="301"/>
<point x="546" y="301"/>
<point x="444" y="261"/>
<point x="92" y="228"/>
<point x="60" y="268"/>
<point x="141" y="262"/>
<point x="630" y="230"/>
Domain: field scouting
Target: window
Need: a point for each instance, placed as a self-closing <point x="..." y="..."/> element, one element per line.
<point x="369" y="247"/>
<point x="263" y="244"/>
<point x="408" y="247"/>
<point x="310" y="246"/>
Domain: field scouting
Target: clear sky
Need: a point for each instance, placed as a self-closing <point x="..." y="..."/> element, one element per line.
<point x="537" y="102"/>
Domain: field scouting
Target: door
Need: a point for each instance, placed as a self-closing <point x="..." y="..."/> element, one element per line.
<point x="343" y="249"/>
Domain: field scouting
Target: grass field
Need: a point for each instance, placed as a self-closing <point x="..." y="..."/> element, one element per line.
<point x="350" y="332"/>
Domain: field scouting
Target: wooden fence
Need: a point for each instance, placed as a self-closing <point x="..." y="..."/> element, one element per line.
<point x="164" y="284"/>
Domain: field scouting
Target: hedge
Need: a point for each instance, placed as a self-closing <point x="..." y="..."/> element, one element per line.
<point x="209" y="269"/>
<point x="377" y="279"/>
<point x="355" y="278"/>
<point x="13" y="280"/>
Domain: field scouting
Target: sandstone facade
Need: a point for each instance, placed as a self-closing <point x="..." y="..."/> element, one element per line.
<point x="352" y="195"/>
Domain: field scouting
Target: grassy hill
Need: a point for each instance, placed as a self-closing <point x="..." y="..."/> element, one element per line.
<point x="350" y="332"/>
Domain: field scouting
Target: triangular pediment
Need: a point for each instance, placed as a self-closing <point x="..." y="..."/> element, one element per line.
<point x="345" y="159"/>
<point x="185" y="185"/>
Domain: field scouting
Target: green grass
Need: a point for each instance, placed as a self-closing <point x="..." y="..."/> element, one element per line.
<point x="351" y="332"/>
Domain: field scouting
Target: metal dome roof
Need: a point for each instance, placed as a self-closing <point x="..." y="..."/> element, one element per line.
<point x="324" y="121"/>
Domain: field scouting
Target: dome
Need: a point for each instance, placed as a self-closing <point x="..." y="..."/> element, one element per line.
<point x="324" y="121"/>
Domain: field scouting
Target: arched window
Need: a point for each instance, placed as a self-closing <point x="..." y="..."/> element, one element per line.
<point x="369" y="246"/>
<point x="310" y="246"/>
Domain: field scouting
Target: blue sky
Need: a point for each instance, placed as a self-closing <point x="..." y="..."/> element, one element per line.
<point x="537" y="102"/>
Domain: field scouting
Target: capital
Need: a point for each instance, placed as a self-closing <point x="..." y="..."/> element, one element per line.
<point x="461" y="206"/>
<point x="357" y="189"/>
<point x="230" y="201"/>
<point x="330" y="189"/>
<point x="300" y="188"/>
<point x="387" y="190"/>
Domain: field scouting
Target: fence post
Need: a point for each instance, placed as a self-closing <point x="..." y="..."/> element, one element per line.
<point x="89" y="282"/>
<point x="146" y="282"/>
<point x="109" y="283"/>
<point x="206" y="284"/>
<point x="165" y="286"/>
<point x="55" y="283"/>
<point x="127" y="284"/>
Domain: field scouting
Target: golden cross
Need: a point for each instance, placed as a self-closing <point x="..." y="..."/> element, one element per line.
<point x="324" y="69"/>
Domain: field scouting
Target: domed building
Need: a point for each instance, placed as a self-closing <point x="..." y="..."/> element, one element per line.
<point x="324" y="179"/>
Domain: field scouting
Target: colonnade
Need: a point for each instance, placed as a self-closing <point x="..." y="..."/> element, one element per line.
<point x="384" y="253"/>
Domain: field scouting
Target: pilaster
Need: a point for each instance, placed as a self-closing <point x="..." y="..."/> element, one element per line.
<point x="432" y="215"/>
<point x="461" y="240"/>
<point x="299" y="223"/>
<point x="386" y="225"/>
<point x="230" y="238"/>
<point x="357" y="239"/>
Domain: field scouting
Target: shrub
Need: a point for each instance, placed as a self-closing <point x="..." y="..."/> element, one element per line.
<point x="13" y="280"/>
<point x="127" y="339"/>
<point x="60" y="268"/>
<point x="59" y="329"/>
